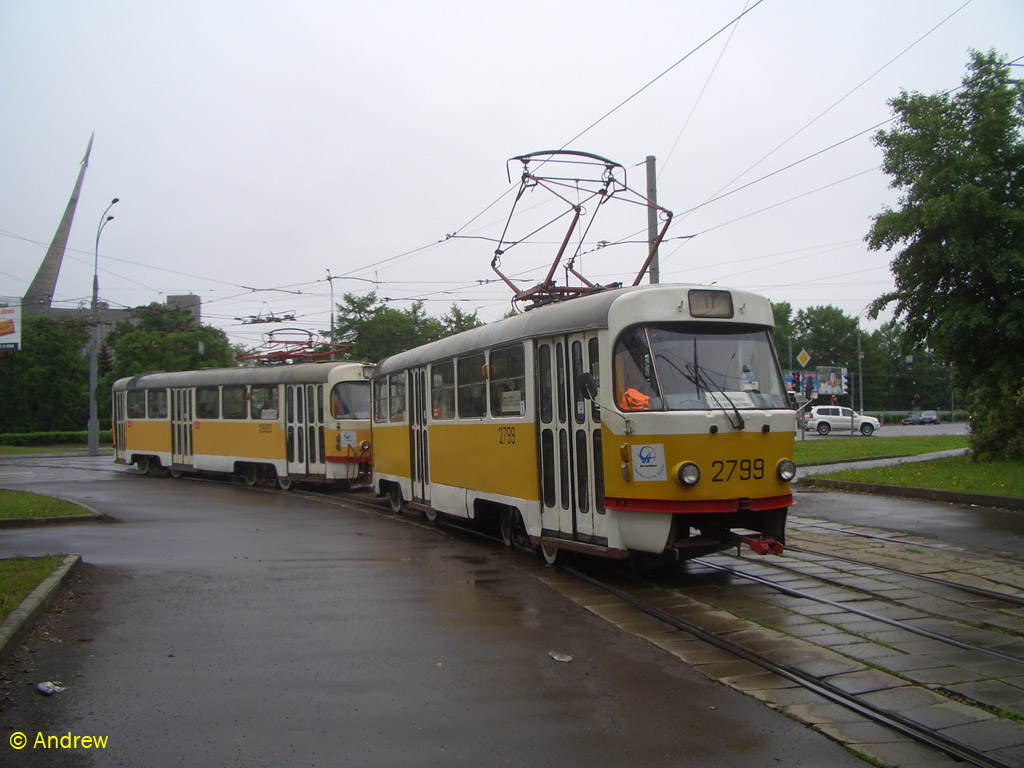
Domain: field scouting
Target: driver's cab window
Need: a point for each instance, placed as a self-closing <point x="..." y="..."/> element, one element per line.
<point x="633" y="372"/>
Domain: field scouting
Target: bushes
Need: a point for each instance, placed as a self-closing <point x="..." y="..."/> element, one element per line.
<point x="997" y="422"/>
<point x="53" y="438"/>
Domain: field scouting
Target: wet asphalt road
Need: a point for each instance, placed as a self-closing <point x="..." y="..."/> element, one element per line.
<point x="215" y="624"/>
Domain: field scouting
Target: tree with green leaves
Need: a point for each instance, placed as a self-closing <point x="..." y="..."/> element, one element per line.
<point x="783" y="333"/>
<point x="958" y="233"/>
<point x="828" y="335"/>
<point x="45" y="384"/>
<point x="162" y="339"/>
<point x="375" y="330"/>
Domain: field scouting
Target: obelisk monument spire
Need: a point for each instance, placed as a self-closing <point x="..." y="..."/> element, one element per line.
<point x="39" y="295"/>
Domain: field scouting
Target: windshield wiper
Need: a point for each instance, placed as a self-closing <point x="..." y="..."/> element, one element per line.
<point x="699" y="377"/>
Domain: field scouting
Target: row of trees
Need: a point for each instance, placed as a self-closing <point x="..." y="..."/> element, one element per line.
<point x="45" y="385"/>
<point x="957" y="235"/>
<point x="51" y="373"/>
<point x="892" y="371"/>
<point x="52" y="370"/>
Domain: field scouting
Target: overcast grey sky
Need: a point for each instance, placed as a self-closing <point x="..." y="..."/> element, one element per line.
<point x="256" y="145"/>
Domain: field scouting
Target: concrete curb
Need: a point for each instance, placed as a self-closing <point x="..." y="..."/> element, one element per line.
<point x="32" y="522"/>
<point x="21" y="619"/>
<point x="1015" y="503"/>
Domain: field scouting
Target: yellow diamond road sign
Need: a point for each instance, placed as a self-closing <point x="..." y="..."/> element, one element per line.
<point x="803" y="358"/>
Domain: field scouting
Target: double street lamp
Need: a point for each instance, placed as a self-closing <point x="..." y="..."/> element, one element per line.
<point x="94" y="344"/>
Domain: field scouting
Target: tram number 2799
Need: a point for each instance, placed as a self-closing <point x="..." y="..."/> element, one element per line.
<point x="506" y="435"/>
<point x="749" y="469"/>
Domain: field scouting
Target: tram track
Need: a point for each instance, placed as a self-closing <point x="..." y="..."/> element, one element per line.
<point x="901" y="724"/>
<point x="968" y="588"/>
<point x="845" y="606"/>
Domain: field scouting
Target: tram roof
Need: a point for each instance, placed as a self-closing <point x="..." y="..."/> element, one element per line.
<point x="301" y="373"/>
<point x="580" y="314"/>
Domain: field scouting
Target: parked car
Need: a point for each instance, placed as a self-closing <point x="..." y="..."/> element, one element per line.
<point x="825" y="418"/>
<point x="924" y="417"/>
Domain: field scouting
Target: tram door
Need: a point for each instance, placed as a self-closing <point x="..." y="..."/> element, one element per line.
<point x="304" y="429"/>
<point x="419" y="449"/>
<point x="587" y="469"/>
<point x="567" y="435"/>
<point x="120" y="452"/>
<point x="182" y="410"/>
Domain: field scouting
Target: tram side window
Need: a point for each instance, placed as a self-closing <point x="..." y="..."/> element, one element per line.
<point x="396" y="397"/>
<point x="207" y="403"/>
<point x="380" y="401"/>
<point x="472" y="388"/>
<point x="156" y="403"/>
<point x="233" y="402"/>
<point x="594" y="349"/>
<point x="544" y="373"/>
<point x="579" y="406"/>
<point x="137" y="404"/>
<point x="508" y="381"/>
<point x="263" y="402"/>
<point x="442" y="390"/>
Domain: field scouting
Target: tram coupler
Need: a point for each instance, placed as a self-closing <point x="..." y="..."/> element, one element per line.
<point x="758" y="545"/>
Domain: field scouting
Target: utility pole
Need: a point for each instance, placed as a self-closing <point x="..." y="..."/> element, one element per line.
<point x="93" y="431"/>
<point x="652" y="218"/>
<point x="330" y="281"/>
<point x="860" y="371"/>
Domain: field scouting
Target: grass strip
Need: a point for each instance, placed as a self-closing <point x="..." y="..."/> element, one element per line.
<point x="18" y="505"/>
<point x="847" y="448"/>
<point x="956" y="473"/>
<point x="19" y="576"/>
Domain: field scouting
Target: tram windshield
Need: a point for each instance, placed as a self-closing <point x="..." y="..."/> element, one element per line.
<point x="683" y="367"/>
<point x="351" y="400"/>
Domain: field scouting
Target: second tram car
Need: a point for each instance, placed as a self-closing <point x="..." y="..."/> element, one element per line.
<point x="646" y="422"/>
<point x="283" y="423"/>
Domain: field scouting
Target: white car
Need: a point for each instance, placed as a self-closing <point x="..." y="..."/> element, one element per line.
<point x="825" y="418"/>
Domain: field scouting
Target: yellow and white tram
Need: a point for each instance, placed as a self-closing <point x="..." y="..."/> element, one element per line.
<point x="649" y="421"/>
<point x="283" y="423"/>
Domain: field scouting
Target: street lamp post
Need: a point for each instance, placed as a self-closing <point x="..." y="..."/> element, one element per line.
<point x="94" y="344"/>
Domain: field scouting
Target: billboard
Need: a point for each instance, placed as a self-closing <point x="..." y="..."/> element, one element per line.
<point x="10" y="324"/>
<point x="831" y="381"/>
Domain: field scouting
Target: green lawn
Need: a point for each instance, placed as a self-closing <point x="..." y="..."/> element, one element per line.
<point x="845" y="448"/>
<point x="957" y="473"/>
<point x="14" y="450"/>
<point x="19" y="504"/>
<point x="19" y="576"/>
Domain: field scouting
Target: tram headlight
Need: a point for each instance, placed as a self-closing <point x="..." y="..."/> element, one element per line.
<point x="786" y="470"/>
<point x="688" y="473"/>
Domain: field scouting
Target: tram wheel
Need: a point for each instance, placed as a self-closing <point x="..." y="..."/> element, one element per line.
<point x="395" y="497"/>
<point x="505" y="523"/>
<point x="250" y="475"/>
<point x="143" y="464"/>
<point x="284" y="483"/>
<point x="175" y="473"/>
<point x="550" y="554"/>
<point x="430" y="515"/>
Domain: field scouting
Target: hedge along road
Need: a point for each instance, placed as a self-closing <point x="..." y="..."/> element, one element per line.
<point x="218" y="624"/>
